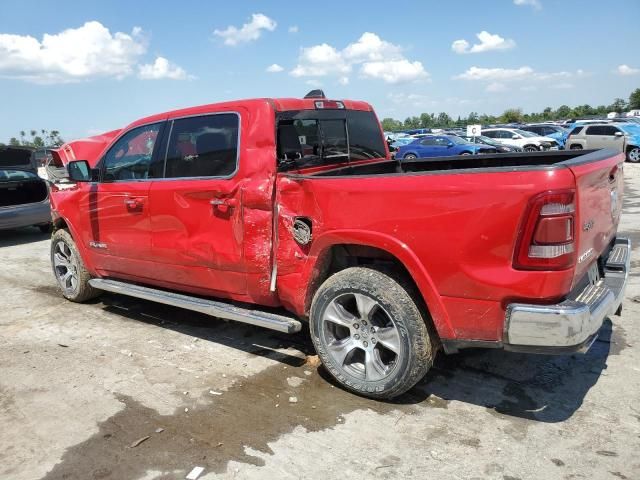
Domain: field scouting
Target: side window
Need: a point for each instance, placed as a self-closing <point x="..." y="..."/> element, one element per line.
<point x="609" y="130"/>
<point x="428" y="141"/>
<point x="576" y="130"/>
<point x="595" y="130"/>
<point x="504" y="134"/>
<point x="204" y="146"/>
<point x="491" y="134"/>
<point x="130" y="157"/>
<point x="442" y="142"/>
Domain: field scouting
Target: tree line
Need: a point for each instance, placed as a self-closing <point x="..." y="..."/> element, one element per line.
<point x="512" y="115"/>
<point x="37" y="139"/>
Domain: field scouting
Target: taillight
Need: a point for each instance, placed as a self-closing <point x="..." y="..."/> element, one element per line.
<point x="547" y="236"/>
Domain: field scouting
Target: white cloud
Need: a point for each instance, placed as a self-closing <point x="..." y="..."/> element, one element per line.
<point x="248" y="32"/>
<point x="488" y="42"/>
<point x="72" y="55"/>
<point x="320" y="60"/>
<point x="274" y="68"/>
<point x="494" y="74"/>
<point x="293" y="29"/>
<point x="343" y="80"/>
<point x="531" y="3"/>
<point x="376" y="58"/>
<point x="627" y="70"/>
<point x="161" y="69"/>
<point x="394" y="71"/>
<point x="563" y="86"/>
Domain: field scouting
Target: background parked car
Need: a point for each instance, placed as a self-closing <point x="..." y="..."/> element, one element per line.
<point x="529" y="142"/>
<point x="482" y="140"/>
<point x="623" y="137"/>
<point x="24" y="196"/>
<point x="441" y="146"/>
<point x="559" y="134"/>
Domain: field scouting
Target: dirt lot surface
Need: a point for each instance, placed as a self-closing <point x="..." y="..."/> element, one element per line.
<point x="126" y="389"/>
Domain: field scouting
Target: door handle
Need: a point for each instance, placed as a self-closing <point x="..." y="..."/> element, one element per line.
<point x="223" y="202"/>
<point x="133" y="203"/>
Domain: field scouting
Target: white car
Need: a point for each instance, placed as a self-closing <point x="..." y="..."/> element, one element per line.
<point x="529" y="142"/>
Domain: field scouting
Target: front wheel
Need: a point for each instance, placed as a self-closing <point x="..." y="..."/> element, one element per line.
<point x="465" y="153"/>
<point x="530" y="148"/>
<point x="633" y="154"/>
<point x="370" y="333"/>
<point x="69" y="270"/>
<point x="410" y="156"/>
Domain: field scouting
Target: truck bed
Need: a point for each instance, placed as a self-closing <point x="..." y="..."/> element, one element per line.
<point x="471" y="163"/>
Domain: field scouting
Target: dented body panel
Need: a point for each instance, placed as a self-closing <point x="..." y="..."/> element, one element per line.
<point x="454" y="231"/>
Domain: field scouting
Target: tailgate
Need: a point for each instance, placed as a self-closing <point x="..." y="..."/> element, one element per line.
<point x="599" y="191"/>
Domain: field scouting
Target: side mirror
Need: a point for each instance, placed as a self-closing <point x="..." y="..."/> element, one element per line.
<point x="79" y="171"/>
<point x="618" y="134"/>
<point x="450" y="144"/>
<point x="515" y="137"/>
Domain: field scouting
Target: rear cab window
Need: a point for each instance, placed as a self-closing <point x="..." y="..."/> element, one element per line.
<point x="319" y="138"/>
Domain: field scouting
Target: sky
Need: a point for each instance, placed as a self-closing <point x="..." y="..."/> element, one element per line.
<point x="85" y="67"/>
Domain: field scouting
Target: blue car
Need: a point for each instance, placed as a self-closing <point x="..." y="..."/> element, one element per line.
<point x="441" y="146"/>
<point x="632" y="132"/>
<point x="556" y="132"/>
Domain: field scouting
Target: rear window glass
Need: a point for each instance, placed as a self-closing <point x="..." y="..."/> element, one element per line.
<point x="16" y="175"/>
<point x="314" y="138"/>
<point x="576" y="130"/>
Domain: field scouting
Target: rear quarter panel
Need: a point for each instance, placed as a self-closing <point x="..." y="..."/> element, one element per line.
<point x="455" y="233"/>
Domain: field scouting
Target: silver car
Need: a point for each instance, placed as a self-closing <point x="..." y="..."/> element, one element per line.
<point x="596" y="136"/>
<point x="24" y="196"/>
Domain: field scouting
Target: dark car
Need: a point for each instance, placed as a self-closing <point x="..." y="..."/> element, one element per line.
<point x="24" y="196"/>
<point x="501" y="148"/>
<point x="441" y="146"/>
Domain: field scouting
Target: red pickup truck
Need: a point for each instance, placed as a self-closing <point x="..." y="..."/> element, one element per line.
<point x="287" y="212"/>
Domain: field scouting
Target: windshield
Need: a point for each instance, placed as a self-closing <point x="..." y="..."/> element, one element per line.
<point x="488" y="141"/>
<point x="458" y="140"/>
<point x="524" y="133"/>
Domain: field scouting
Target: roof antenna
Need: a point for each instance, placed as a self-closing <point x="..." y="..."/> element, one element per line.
<point x="315" y="94"/>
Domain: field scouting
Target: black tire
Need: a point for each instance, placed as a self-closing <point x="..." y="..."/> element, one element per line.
<point x="45" y="228"/>
<point x="410" y="156"/>
<point x="633" y="154"/>
<point x="400" y="313"/>
<point x="531" y="148"/>
<point x="64" y="250"/>
<point x="575" y="147"/>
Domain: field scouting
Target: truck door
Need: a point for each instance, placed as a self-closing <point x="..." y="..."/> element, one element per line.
<point x="197" y="208"/>
<point x="116" y="229"/>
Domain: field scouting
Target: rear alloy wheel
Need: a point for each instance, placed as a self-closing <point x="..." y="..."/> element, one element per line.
<point x="410" y="156"/>
<point x="633" y="154"/>
<point x="370" y="333"/>
<point x="576" y="147"/>
<point x="530" y="148"/>
<point x="69" y="270"/>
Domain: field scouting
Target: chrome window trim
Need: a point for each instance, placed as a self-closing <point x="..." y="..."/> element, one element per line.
<point x="219" y="177"/>
<point x="172" y="120"/>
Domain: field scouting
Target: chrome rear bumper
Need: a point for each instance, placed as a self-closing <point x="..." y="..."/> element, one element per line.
<point x="572" y="325"/>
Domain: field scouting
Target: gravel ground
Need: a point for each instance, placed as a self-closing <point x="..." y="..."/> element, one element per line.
<point x="126" y="389"/>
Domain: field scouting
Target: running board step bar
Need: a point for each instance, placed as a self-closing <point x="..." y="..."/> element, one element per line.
<point x="268" y="320"/>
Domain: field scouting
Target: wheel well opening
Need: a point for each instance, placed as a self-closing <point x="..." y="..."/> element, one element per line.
<point x="59" y="223"/>
<point x="340" y="257"/>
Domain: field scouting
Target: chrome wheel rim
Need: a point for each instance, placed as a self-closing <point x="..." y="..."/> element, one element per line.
<point x="361" y="337"/>
<point x="634" y="155"/>
<point x="65" y="266"/>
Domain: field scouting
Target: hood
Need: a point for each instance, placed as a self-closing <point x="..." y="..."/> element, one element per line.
<point x="17" y="158"/>
<point x="89" y="149"/>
